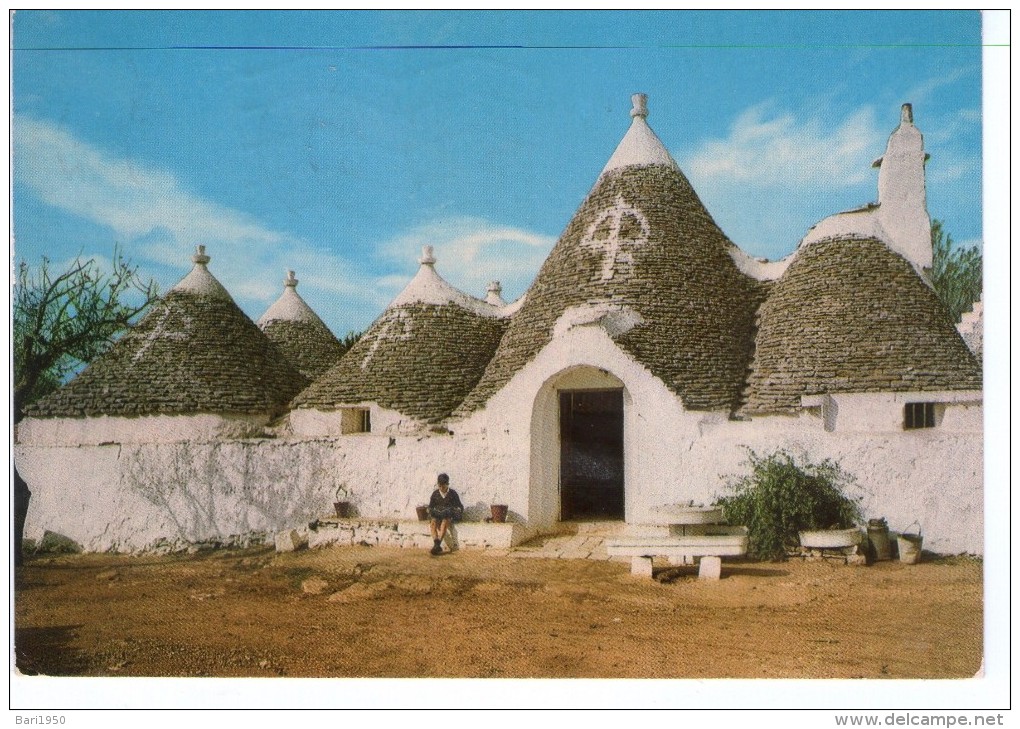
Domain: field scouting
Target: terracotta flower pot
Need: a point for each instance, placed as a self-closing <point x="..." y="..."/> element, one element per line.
<point x="499" y="512"/>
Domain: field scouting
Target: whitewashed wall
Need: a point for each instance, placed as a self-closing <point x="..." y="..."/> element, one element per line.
<point x="526" y="414"/>
<point x="935" y="478"/>
<point x="932" y="476"/>
<point x="128" y="496"/>
<point x="144" y="429"/>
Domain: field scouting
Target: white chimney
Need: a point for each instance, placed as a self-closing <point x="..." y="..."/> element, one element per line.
<point x="903" y="208"/>
<point x="494" y="294"/>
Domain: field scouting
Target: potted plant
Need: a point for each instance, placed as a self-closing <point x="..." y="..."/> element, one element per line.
<point x="342" y="505"/>
<point x="781" y="498"/>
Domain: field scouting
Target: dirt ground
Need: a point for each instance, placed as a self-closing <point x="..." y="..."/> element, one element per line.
<point x="379" y="612"/>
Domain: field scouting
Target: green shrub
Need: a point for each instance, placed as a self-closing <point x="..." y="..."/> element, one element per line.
<point x="781" y="497"/>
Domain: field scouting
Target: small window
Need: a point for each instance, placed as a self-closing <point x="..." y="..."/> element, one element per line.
<point x="356" y="420"/>
<point x="918" y="415"/>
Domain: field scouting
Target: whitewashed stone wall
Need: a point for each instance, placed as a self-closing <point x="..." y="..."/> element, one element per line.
<point x="128" y="497"/>
<point x="131" y="495"/>
<point x="971" y="328"/>
<point x="933" y="476"/>
<point x="144" y="429"/>
<point x="874" y="413"/>
<point x="312" y="423"/>
<point x="526" y="414"/>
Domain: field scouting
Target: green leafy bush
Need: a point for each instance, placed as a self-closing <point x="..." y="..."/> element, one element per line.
<point x="781" y="497"/>
<point x="955" y="273"/>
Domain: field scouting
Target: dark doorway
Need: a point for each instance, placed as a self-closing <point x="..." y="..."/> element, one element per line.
<point x="591" y="454"/>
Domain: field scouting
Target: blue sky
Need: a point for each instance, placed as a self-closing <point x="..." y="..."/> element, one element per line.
<point x="337" y="143"/>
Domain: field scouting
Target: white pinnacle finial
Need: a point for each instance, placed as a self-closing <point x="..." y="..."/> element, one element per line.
<point x="639" y="146"/>
<point x="199" y="281"/>
<point x="494" y="294"/>
<point x="427" y="257"/>
<point x="290" y="280"/>
<point x="907" y="114"/>
<point x="200" y="257"/>
<point x="640" y="102"/>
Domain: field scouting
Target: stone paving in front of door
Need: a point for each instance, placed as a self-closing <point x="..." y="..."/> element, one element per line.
<point x="563" y="546"/>
<point x="582" y="540"/>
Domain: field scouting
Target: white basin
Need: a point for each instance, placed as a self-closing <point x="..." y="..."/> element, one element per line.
<point x="831" y="538"/>
<point x="684" y="514"/>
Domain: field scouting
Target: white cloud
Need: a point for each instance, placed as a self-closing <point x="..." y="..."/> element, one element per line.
<point x="776" y="173"/>
<point x="130" y="198"/>
<point x="923" y="91"/>
<point x="952" y="167"/>
<point x="946" y="130"/>
<point x="780" y="149"/>
<point x="470" y="252"/>
<point x="160" y="222"/>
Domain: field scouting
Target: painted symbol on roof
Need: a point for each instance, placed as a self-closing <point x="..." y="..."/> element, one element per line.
<point x="618" y="231"/>
<point x="396" y="327"/>
<point x="161" y="331"/>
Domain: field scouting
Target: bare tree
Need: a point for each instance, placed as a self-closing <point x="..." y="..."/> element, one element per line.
<point x="955" y="272"/>
<point x="63" y="322"/>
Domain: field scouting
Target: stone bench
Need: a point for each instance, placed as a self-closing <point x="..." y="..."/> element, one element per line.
<point x="474" y="534"/>
<point x="708" y="548"/>
<point x="412" y="534"/>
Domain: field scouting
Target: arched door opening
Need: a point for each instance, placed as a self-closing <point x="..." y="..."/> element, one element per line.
<point x="591" y="454"/>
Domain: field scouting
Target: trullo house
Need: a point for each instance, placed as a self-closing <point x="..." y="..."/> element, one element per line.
<point x="647" y="356"/>
<point x="302" y="337"/>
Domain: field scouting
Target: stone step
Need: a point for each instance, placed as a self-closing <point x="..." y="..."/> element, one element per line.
<point x="564" y="546"/>
<point x="594" y="528"/>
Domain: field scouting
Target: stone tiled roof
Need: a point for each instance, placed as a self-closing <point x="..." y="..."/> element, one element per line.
<point x="302" y="337"/>
<point x="671" y="268"/>
<point x="418" y="359"/>
<point x="853" y="316"/>
<point x="194" y="352"/>
<point x="309" y="346"/>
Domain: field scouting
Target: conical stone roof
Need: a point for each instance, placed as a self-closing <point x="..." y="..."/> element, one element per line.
<point x="194" y="352"/>
<point x="420" y="358"/>
<point x="643" y="245"/>
<point x="851" y="315"/>
<point x="302" y="337"/>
